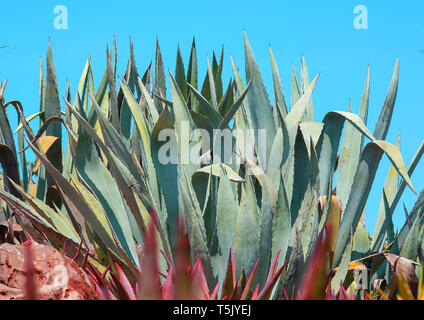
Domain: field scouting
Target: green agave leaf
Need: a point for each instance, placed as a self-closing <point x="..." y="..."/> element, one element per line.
<point x="361" y="243"/>
<point x="77" y="200"/>
<point x="247" y="234"/>
<point x="416" y="211"/>
<point x="205" y="108"/>
<point x="298" y="109"/>
<point x="184" y="125"/>
<point x="302" y="175"/>
<point x="114" y="109"/>
<point x="281" y="223"/>
<point x="166" y="173"/>
<point x="258" y="109"/>
<point x="278" y="88"/>
<point x="125" y="181"/>
<point x="295" y="91"/>
<point x="217" y="74"/>
<point x="351" y="149"/>
<point x="328" y="144"/>
<point x="362" y="183"/>
<point x="114" y="140"/>
<point x="343" y="268"/>
<point x="197" y="232"/>
<point x="304" y="85"/>
<point x="409" y="249"/>
<point x="292" y="274"/>
<point x="227" y="211"/>
<point x="192" y="75"/>
<point x="150" y="103"/>
<point x="389" y="190"/>
<point x="402" y="185"/>
<point x="160" y="81"/>
<point x="131" y="78"/>
<point x="383" y="122"/>
<point x="46" y="213"/>
<point x="228" y="99"/>
<point x="232" y="111"/>
<point x="51" y="103"/>
<point x="180" y="74"/>
<point x="10" y="168"/>
<point x="281" y="142"/>
<point x="212" y="88"/>
<point x="218" y="169"/>
<point x="95" y="174"/>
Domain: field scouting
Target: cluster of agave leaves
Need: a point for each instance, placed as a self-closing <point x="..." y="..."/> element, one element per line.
<point x="109" y="202"/>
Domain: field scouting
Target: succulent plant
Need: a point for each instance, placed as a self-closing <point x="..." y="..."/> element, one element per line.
<point x="110" y="200"/>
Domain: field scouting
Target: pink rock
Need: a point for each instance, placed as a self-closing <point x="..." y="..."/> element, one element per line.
<point x="56" y="276"/>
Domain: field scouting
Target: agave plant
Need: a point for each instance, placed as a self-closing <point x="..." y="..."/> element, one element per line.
<point x="266" y="203"/>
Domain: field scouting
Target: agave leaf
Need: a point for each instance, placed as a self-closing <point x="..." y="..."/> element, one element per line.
<point x="192" y="75"/>
<point x="184" y="126"/>
<point x="264" y="181"/>
<point x="416" y="211"/>
<point x="227" y="208"/>
<point x="389" y="189"/>
<point x="44" y="211"/>
<point x="51" y="102"/>
<point x="302" y="175"/>
<point x="121" y="173"/>
<point x="292" y="276"/>
<point x="166" y="173"/>
<point x="77" y="200"/>
<point x="295" y="91"/>
<point x="278" y="88"/>
<point x="95" y="174"/>
<point x="9" y="165"/>
<point x="281" y="223"/>
<point x="131" y="78"/>
<point x="232" y="111"/>
<point x="281" y="142"/>
<point x="228" y="99"/>
<point x="114" y="140"/>
<point x="197" y="232"/>
<point x="304" y="85"/>
<point x="327" y="146"/>
<point x="212" y="88"/>
<point x="409" y="249"/>
<point x="180" y="74"/>
<point x="218" y="169"/>
<point x="363" y="180"/>
<point x="383" y="122"/>
<point x="402" y="185"/>
<point x="343" y="268"/>
<point x="160" y="81"/>
<point x="258" y="108"/>
<point x="298" y="109"/>
<point x="151" y="107"/>
<point x="113" y="96"/>
<point x="361" y="243"/>
<point x="352" y="146"/>
<point x="246" y="239"/>
<point x="205" y="108"/>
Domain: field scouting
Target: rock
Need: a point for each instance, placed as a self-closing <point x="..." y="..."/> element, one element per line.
<point x="56" y="277"/>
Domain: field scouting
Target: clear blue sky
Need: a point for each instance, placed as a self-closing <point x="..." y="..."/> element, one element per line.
<point x="322" y="30"/>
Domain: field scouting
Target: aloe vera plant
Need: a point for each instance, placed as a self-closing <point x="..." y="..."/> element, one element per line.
<point x="262" y="197"/>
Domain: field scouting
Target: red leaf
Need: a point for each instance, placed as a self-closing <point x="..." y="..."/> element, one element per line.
<point x="315" y="280"/>
<point x="150" y="287"/>
<point x="249" y="282"/>
<point x="168" y="285"/>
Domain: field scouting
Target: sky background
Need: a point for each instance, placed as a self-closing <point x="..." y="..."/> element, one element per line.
<point x="321" y="30"/>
